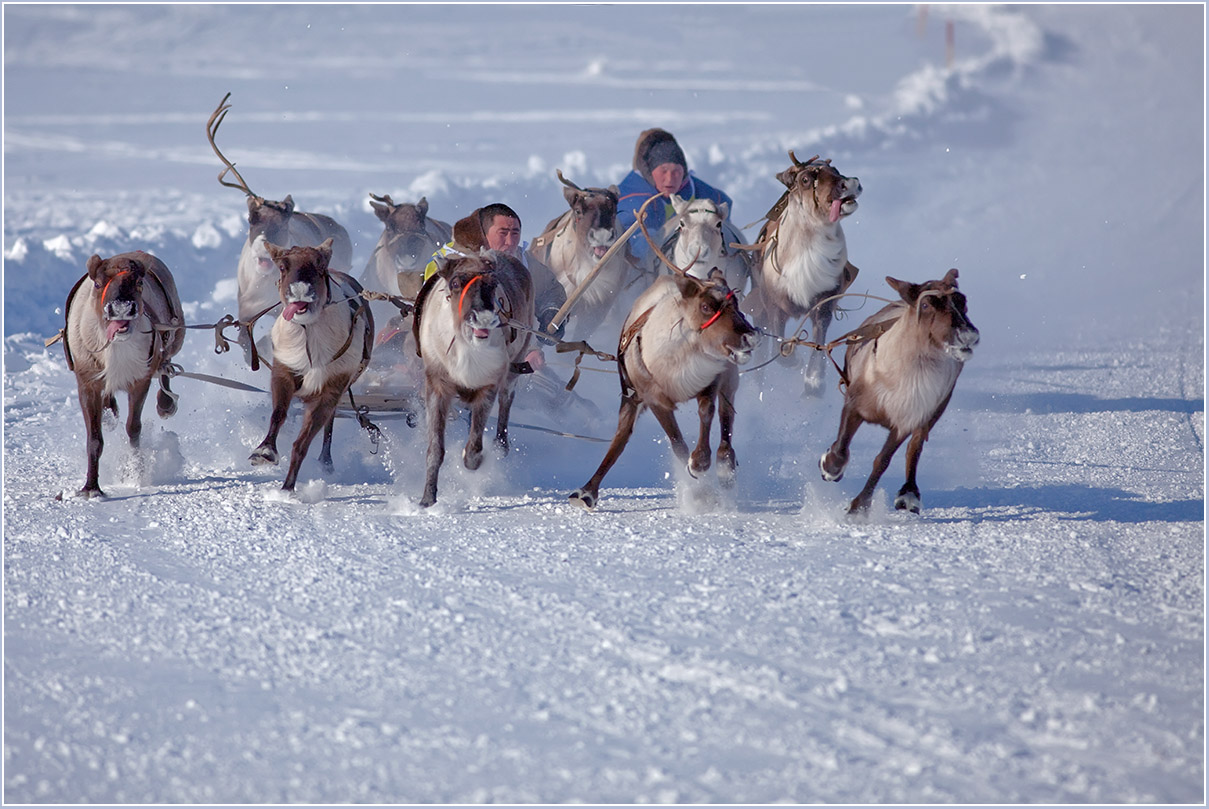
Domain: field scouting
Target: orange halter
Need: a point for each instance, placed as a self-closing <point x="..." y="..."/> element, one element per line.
<point x="466" y="289"/>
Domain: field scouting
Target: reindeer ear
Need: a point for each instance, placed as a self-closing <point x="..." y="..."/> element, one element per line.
<point x="615" y="191"/>
<point x="787" y="176"/>
<point x="94" y="266"/>
<point x="325" y="250"/>
<point x="381" y="210"/>
<point x="570" y="195"/>
<point x="288" y="203"/>
<point x="951" y="278"/>
<point x="679" y="203"/>
<point x="717" y="276"/>
<point x="688" y="285"/>
<point x="724" y="210"/>
<point x="422" y="207"/>
<point x="273" y="250"/>
<point x="905" y="289"/>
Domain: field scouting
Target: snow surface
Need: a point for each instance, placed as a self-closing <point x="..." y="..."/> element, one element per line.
<point x="1036" y="635"/>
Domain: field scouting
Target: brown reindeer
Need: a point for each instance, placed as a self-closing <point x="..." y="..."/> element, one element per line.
<point x="466" y="331"/>
<point x="124" y="325"/>
<point x="276" y="222"/>
<point x="408" y="240"/>
<point x="684" y="338"/>
<point x="573" y="243"/>
<point x="901" y="366"/>
<point x="321" y="343"/>
<point x="804" y="255"/>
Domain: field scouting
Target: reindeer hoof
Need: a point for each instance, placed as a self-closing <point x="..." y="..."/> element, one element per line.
<point x="262" y="456"/>
<point x="907" y="501"/>
<point x="165" y="403"/>
<point x="89" y="492"/>
<point x="472" y="460"/>
<point x="858" y="507"/>
<point x="832" y="470"/>
<point x="584" y="499"/>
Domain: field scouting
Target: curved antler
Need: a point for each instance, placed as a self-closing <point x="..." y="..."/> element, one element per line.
<point x="385" y="198"/>
<point x="216" y="119"/>
<point x="565" y="181"/>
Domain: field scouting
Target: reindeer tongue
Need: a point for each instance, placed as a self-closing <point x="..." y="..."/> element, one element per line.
<point x="599" y="251"/>
<point x="482" y="334"/>
<point x="835" y="209"/>
<point x="114" y="327"/>
<point x="293" y="308"/>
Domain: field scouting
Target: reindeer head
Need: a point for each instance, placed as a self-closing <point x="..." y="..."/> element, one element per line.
<point x="269" y="218"/>
<point x="700" y="241"/>
<point x="483" y="295"/>
<point x="711" y="308"/>
<point x="594" y="214"/>
<point x="939" y="310"/>
<point x="819" y="187"/>
<point x="303" y="284"/>
<point x="406" y="231"/>
<point x="118" y="292"/>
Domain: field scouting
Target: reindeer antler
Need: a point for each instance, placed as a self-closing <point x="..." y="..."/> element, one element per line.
<point x="565" y="181"/>
<point x="797" y="162"/>
<point x="385" y="198"/>
<point x="216" y="119"/>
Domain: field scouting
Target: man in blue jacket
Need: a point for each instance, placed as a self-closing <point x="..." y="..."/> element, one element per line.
<point x="659" y="168"/>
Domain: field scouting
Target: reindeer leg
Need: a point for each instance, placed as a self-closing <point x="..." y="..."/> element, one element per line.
<point x="861" y="502"/>
<point x="134" y="419"/>
<point x="318" y="415"/>
<point x="436" y="408"/>
<point x="908" y="495"/>
<point x="93" y="405"/>
<point x="325" y="452"/>
<point x="816" y="367"/>
<point x="667" y="420"/>
<point x="699" y="461"/>
<point x="165" y="400"/>
<point x="283" y="387"/>
<point x="726" y="423"/>
<point x="835" y="459"/>
<point x="480" y="408"/>
<point x="587" y="495"/>
<point x="505" y="409"/>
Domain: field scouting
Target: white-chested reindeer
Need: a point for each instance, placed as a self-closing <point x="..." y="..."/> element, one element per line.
<point x="276" y="222"/>
<point x="573" y="243"/>
<point x="699" y="237"/>
<point x="466" y="332"/>
<point x="322" y="341"/>
<point x="124" y="325"/>
<point x="804" y="255"/>
<point x="684" y="339"/>
<point x="901" y="368"/>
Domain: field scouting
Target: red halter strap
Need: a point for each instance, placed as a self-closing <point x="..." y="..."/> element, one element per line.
<point x="466" y="289"/>
<point x="718" y="313"/>
<point x="105" y="289"/>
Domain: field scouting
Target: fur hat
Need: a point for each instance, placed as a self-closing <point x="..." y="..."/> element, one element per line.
<point x="654" y="148"/>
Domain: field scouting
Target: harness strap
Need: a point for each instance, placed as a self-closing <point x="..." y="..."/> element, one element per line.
<point x="730" y="294"/>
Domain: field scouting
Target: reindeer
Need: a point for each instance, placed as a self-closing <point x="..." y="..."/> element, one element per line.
<point x="698" y="238"/>
<point x="123" y="328"/>
<point x="406" y="245"/>
<point x="321" y="343"/>
<point x="901" y="365"/>
<point x="804" y="261"/>
<point x="472" y="322"/>
<point x="684" y="338"/>
<point x="573" y="243"/>
<point x="279" y="223"/>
